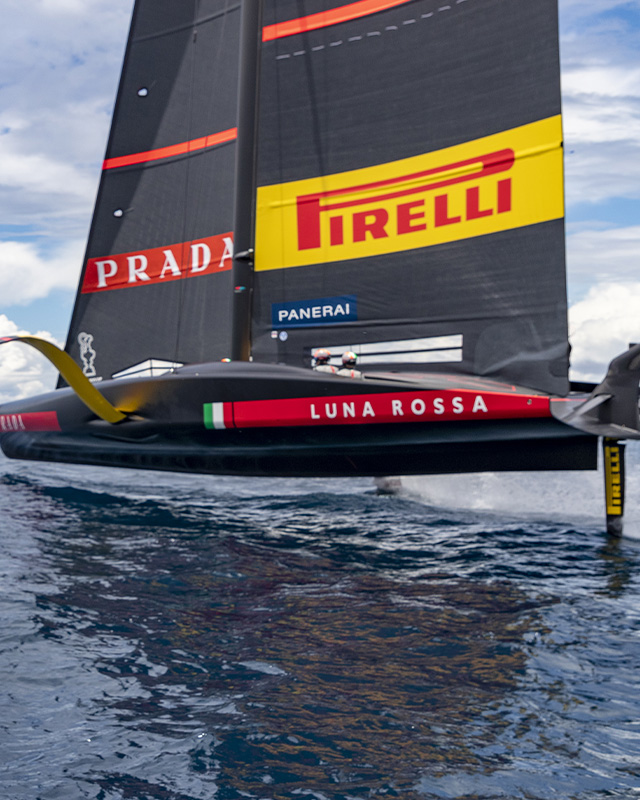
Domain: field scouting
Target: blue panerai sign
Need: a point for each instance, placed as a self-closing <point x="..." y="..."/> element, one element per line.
<point x="309" y="313"/>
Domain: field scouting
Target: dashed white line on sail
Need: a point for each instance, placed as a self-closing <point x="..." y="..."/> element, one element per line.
<point x="358" y="38"/>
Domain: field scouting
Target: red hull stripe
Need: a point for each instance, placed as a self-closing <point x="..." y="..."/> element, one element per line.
<point x="363" y="409"/>
<point x="31" y="421"/>
<point x="202" y="143"/>
<point x="325" y="19"/>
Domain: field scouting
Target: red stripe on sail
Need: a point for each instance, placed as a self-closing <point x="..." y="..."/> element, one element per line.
<point x="325" y="19"/>
<point x="202" y="143"/>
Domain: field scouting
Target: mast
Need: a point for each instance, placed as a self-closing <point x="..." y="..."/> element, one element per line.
<point x="245" y="188"/>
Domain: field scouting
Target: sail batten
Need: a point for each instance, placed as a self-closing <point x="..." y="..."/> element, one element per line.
<point x="190" y="26"/>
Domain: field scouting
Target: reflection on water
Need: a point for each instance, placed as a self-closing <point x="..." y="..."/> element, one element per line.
<point x="328" y="677"/>
<point x="261" y="639"/>
<point x="617" y="567"/>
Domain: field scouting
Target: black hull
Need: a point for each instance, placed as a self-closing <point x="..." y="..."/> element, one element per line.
<point x="165" y="429"/>
<point x="450" y="449"/>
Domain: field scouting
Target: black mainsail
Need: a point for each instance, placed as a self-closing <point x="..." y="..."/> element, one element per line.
<point x="156" y="281"/>
<point x="391" y="173"/>
<point x="410" y="169"/>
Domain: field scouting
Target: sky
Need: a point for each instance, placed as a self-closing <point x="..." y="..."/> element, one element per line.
<point x="59" y="68"/>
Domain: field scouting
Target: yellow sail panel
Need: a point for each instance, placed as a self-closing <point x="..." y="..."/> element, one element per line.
<point x="500" y="182"/>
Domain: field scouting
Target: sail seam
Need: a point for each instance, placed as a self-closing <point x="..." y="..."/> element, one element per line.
<point x="187" y="26"/>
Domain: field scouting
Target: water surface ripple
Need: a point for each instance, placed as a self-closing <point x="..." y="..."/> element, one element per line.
<point x="170" y="637"/>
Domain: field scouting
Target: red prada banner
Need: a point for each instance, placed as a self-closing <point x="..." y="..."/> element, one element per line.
<point x="424" y="406"/>
<point x="36" y="421"/>
<point x="159" y="265"/>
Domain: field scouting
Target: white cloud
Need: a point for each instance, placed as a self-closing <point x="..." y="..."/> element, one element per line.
<point x="601" y="100"/>
<point x="60" y="64"/>
<point x="597" y="255"/>
<point x="26" y="275"/>
<point x="24" y="372"/>
<point x="63" y="6"/>
<point x="43" y="181"/>
<point x="600" y="173"/>
<point x="602" y="326"/>
<point x="593" y="119"/>
<point x="602" y="80"/>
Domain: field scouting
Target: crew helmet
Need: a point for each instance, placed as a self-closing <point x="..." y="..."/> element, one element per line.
<point x="349" y="359"/>
<point x="322" y="356"/>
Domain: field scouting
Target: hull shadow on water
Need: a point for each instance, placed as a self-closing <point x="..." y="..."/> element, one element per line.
<point x="277" y="639"/>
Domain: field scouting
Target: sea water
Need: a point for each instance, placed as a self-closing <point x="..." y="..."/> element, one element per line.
<point x="177" y="637"/>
